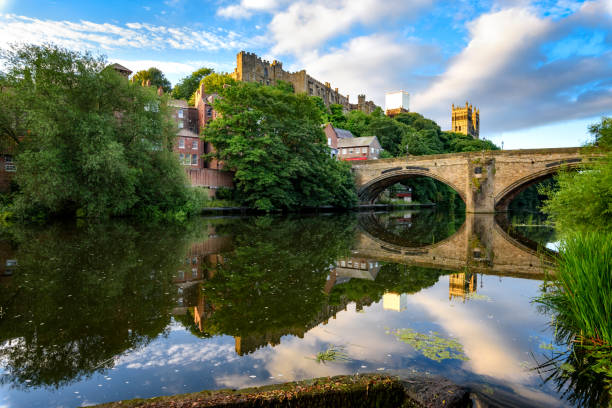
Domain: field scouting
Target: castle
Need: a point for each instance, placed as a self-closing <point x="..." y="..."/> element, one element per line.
<point x="251" y="68"/>
<point x="466" y="121"/>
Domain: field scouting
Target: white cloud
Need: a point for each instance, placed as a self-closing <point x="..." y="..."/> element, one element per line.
<point x="504" y="71"/>
<point x="370" y="64"/>
<point x="85" y="35"/>
<point x="306" y="25"/>
<point x="246" y="8"/>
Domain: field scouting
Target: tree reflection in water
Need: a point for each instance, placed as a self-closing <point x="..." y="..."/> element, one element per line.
<point x="288" y="275"/>
<point x="79" y="297"/>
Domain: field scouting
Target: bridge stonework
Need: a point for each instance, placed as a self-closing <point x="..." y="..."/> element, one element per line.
<point x="480" y="245"/>
<point x="486" y="181"/>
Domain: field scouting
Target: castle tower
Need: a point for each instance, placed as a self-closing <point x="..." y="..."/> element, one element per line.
<point x="466" y="120"/>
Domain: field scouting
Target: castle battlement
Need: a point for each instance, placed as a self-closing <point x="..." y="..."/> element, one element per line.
<point x="251" y="68"/>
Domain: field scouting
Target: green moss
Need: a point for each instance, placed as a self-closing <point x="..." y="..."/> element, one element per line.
<point x="369" y="390"/>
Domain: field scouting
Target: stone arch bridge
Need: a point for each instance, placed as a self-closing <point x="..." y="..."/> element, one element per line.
<point x="486" y="181"/>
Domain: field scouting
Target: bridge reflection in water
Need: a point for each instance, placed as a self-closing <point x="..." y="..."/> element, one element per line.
<point x="484" y="244"/>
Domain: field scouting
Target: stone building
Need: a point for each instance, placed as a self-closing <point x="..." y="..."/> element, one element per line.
<point x="466" y="120"/>
<point x="251" y="68"/>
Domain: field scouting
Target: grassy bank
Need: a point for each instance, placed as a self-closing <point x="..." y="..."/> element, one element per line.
<point x="581" y="301"/>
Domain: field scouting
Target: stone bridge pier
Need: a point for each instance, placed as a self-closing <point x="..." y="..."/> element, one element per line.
<point x="486" y="181"/>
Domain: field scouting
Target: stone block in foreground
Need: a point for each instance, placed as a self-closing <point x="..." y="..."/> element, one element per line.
<point x="368" y="390"/>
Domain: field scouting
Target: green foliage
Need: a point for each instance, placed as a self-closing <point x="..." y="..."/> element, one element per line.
<point x="93" y="143"/>
<point x="188" y="85"/>
<point x="580" y="299"/>
<point x="602" y="133"/>
<point x="213" y="83"/>
<point x="284" y="86"/>
<point x="154" y="75"/>
<point x="582" y="294"/>
<point x="583" y="200"/>
<point x="336" y="115"/>
<point x="274" y="142"/>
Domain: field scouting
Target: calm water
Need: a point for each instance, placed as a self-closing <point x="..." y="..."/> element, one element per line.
<point x="100" y="312"/>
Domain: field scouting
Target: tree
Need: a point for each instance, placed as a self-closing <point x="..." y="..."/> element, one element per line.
<point x="274" y="142"/>
<point x="213" y="83"/>
<point x="91" y="143"/>
<point x="188" y="85"/>
<point x="583" y="200"/>
<point x="154" y="75"/>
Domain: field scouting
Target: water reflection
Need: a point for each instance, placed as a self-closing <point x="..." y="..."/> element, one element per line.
<point x="246" y="301"/>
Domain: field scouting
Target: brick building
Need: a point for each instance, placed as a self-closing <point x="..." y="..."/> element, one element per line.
<point x="251" y="68"/>
<point x="189" y="146"/>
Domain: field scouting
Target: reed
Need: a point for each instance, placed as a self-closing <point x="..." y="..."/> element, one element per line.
<point x="581" y="295"/>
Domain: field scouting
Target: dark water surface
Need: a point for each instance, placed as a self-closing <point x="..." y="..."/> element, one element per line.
<point x="101" y="312"/>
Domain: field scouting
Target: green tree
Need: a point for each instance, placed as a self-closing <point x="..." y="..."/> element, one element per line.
<point x="274" y="142"/>
<point x="336" y="115"/>
<point x="154" y="75"/>
<point x="583" y="200"/>
<point x="213" y="83"/>
<point x="91" y="143"/>
<point x="188" y="85"/>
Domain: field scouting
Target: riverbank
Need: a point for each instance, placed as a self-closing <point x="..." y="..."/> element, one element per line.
<point x="323" y="209"/>
<point x="362" y="390"/>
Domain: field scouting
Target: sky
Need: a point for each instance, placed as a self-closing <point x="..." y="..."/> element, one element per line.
<point x="539" y="71"/>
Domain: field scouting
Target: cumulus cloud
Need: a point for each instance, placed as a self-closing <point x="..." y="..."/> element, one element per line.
<point x="246" y="8"/>
<point x="505" y="70"/>
<point x="307" y="24"/>
<point x="372" y="65"/>
<point x="84" y="35"/>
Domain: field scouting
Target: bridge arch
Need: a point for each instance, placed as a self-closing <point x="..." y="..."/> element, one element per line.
<point x="369" y="192"/>
<point x="505" y="197"/>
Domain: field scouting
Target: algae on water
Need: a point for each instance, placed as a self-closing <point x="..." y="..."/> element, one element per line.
<point x="432" y="345"/>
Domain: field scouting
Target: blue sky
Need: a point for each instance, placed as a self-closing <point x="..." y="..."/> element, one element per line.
<point x="540" y="71"/>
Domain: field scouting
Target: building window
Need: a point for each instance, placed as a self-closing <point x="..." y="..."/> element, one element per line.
<point x="181" y="274"/>
<point x="194" y="273"/>
<point x="194" y="145"/>
<point x="194" y="159"/>
<point x="181" y="143"/>
<point x="180" y="114"/>
<point x="181" y="158"/>
<point x="343" y="151"/>
<point x="329" y="141"/>
<point x="364" y="150"/>
<point x="181" y="124"/>
<point x="351" y="150"/>
<point x="8" y="163"/>
<point x="209" y="111"/>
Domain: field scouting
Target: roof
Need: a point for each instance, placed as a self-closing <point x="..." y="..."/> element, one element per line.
<point x="356" y="141"/>
<point x="120" y="67"/>
<point x="343" y="133"/>
<point x="178" y="103"/>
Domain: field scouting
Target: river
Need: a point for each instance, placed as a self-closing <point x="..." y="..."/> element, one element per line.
<point x="98" y="312"/>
